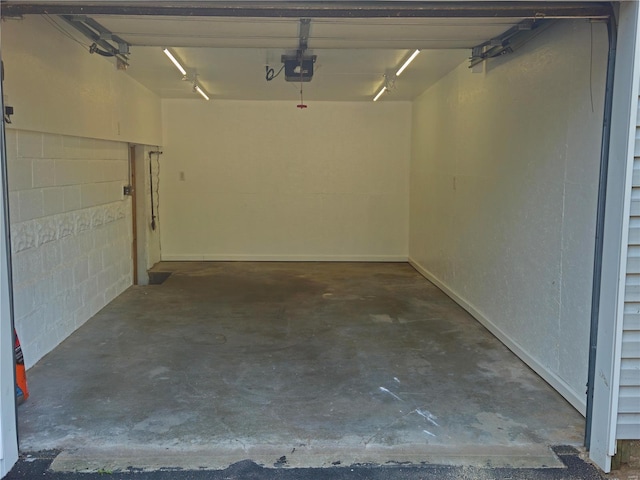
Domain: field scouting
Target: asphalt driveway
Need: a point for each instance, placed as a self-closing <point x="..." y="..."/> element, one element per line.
<point x="36" y="466"/>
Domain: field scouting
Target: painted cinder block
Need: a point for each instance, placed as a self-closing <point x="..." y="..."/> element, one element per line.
<point x="31" y="204"/>
<point x="29" y="144"/>
<point x="70" y="238"/>
<point x="52" y="146"/>
<point x="46" y="230"/>
<point x="43" y="291"/>
<point x="51" y="257"/>
<point x="20" y="174"/>
<point x="76" y="148"/>
<point x="63" y="280"/>
<point x="11" y="143"/>
<point x="14" y="208"/>
<point x="53" y="199"/>
<point x="72" y="197"/>
<point x="31" y="324"/>
<point x="80" y="270"/>
<point x="22" y="301"/>
<point x="23" y="236"/>
<point x="65" y="172"/>
<point x="91" y="290"/>
<point x="43" y="173"/>
<point x="66" y="224"/>
<point x="95" y="263"/>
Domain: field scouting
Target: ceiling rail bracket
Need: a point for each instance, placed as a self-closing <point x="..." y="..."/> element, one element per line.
<point x="509" y="41"/>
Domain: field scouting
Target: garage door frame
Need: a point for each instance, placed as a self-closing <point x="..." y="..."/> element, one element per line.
<point x="8" y="413"/>
<point x="314" y="8"/>
<point x="606" y="334"/>
<point x="604" y="379"/>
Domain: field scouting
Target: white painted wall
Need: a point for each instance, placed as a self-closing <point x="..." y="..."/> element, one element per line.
<point x="56" y="86"/>
<point x="266" y="181"/>
<point x="148" y="239"/>
<point x="504" y="181"/>
<point x="68" y="161"/>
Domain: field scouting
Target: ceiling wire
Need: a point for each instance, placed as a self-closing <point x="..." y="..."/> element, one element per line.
<point x="62" y="30"/>
<point x="92" y="48"/>
<point x="301" y="105"/>
<point x="271" y="73"/>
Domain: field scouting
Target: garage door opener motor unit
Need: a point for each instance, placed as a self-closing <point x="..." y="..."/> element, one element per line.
<point x="298" y="68"/>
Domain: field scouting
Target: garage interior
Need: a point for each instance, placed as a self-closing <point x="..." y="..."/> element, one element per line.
<point x="352" y="281"/>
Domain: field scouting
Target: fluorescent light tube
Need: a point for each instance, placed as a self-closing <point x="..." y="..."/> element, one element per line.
<point x="406" y="64"/>
<point x="175" y="62"/>
<point x="382" y="90"/>
<point x="201" y="92"/>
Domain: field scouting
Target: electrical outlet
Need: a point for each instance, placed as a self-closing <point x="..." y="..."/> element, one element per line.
<point x="127" y="190"/>
<point x="182" y="176"/>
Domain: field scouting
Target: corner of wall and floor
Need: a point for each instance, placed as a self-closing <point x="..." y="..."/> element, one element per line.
<point x="504" y="191"/>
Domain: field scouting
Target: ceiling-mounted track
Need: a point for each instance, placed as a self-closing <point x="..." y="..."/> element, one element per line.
<point x="101" y="37"/>
<point x="303" y="35"/>
<point x="509" y="41"/>
<point x="370" y="9"/>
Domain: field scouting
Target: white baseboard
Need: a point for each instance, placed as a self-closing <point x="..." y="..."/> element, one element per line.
<point x="551" y="378"/>
<point x="281" y="258"/>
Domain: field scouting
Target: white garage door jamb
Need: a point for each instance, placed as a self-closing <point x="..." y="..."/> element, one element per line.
<point x="615" y="238"/>
<point x="8" y="428"/>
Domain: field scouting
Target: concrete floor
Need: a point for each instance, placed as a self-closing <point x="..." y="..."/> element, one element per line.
<point x="289" y="364"/>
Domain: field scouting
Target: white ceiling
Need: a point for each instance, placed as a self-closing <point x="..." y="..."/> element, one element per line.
<point x="229" y="54"/>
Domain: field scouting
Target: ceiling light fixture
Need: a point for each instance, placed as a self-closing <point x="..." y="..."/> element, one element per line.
<point x="175" y="62"/>
<point x="201" y="92"/>
<point x="191" y="77"/>
<point x="390" y="78"/>
<point x="382" y="90"/>
<point x="406" y="64"/>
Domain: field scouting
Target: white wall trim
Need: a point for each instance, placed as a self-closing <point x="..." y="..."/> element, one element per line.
<point x="174" y="257"/>
<point x="44" y="67"/>
<point x="555" y="381"/>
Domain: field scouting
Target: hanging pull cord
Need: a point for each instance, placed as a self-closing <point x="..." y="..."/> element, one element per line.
<point x="153" y="209"/>
<point x="153" y="215"/>
<point x="301" y="105"/>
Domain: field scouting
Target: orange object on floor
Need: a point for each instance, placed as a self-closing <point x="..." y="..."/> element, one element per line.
<point x="22" y="391"/>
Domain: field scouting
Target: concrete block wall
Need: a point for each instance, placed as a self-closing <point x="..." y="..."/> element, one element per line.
<point x="70" y="230"/>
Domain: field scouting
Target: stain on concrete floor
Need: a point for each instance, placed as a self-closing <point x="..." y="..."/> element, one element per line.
<point x="318" y="362"/>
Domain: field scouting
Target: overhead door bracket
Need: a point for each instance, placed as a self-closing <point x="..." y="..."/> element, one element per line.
<point x="509" y="41"/>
